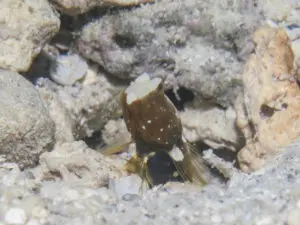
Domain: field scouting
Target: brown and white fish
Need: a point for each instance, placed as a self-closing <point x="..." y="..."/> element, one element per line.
<point x="152" y="120"/>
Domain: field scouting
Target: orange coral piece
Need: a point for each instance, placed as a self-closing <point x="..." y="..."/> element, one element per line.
<point x="268" y="111"/>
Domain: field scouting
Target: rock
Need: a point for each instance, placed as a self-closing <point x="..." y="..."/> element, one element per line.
<point x="26" y="26"/>
<point x="26" y="129"/>
<point x="82" y="108"/>
<point x="83" y="203"/>
<point x="293" y="32"/>
<point x="160" y="39"/>
<point x="268" y="111"/>
<point x="281" y="12"/>
<point x="264" y="197"/>
<point x="15" y="216"/>
<point x="115" y="133"/>
<point x="129" y="185"/>
<point x="294" y="216"/>
<point x="67" y="69"/>
<point x="199" y="46"/>
<point x="227" y="169"/>
<point x="267" y="196"/>
<point x="76" y="164"/>
<point x="168" y="40"/>
<point x="212" y="75"/>
<point x="296" y="50"/>
<point x="64" y="191"/>
<point x="209" y="125"/>
<point x="75" y="7"/>
<point x="65" y="125"/>
<point x="19" y="203"/>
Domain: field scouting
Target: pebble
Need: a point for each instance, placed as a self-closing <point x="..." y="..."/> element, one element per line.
<point x="67" y="69"/>
<point x="126" y="185"/>
<point x="15" y="216"/>
<point x="294" y="217"/>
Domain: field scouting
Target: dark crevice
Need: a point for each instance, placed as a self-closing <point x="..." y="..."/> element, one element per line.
<point x="201" y="146"/>
<point x="180" y="97"/>
<point x="226" y="154"/>
<point x="95" y="141"/>
<point x="124" y="41"/>
<point x="39" y="68"/>
<point x="252" y="128"/>
<point x="266" y="111"/>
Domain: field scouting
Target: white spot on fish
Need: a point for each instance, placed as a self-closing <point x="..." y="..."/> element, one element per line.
<point x="176" y="154"/>
<point x="144" y="127"/>
<point x="161" y="129"/>
<point x="149" y="121"/>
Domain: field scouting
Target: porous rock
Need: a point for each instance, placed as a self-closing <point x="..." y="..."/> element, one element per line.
<point x="26" y="129"/>
<point x="269" y="196"/>
<point x="209" y="125"/>
<point x="184" y="42"/>
<point x="294" y="215"/>
<point x="268" y="110"/>
<point x="20" y="206"/>
<point x="281" y="12"/>
<point x="84" y="107"/>
<point x="75" y="163"/>
<point x="293" y="32"/>
<point x="115" y="132"/>
<point x="68" y="69"/>
<point x="25" y="27"/>
<point x="198" y="45"/>
<point x="64" y="125"/>
<point x="296" y="49"/>
<point x="75" y="7"/>
<point x="161" y="39"/>
<point x="24" y="199"/>
<point x="127" y="186"/>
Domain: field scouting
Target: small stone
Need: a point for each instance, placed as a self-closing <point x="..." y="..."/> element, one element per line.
<point x="126" y="185"/>
<point x="67" y="69"/>
<point x="15" y="216"/>
<point x="294" y="217"/>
